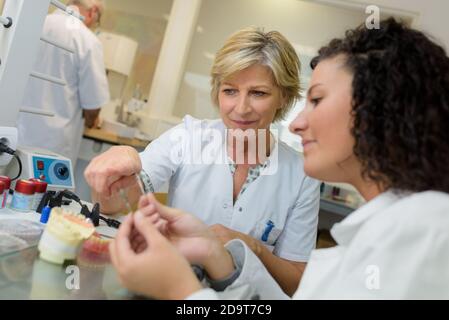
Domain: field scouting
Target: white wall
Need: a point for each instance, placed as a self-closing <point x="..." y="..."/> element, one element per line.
<point x="432" y="15"/>
<point x="149" y="8"/>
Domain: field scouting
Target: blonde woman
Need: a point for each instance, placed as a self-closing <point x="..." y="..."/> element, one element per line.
<point x="233" y="173"/>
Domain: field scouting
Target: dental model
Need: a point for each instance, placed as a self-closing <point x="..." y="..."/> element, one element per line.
<point x="94" y="252"/>
<point x="63" y="236"/>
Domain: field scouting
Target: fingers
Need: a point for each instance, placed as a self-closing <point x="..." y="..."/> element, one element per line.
<point x="110" y="167"/>
<point x="112" y="253"/>
<point x="147" y="229"/>
<point x="160" y="225"/>
<point x="97" y="173"/>
<point x="153" y="218"/>
<point x="134" y="236"/>
<point x="126" y="228"/>
<point x="145" y="200"/>
<point x="138" y="242"/>
<point x="123" y="182"/>
<point x="122" y="246"/>
<point x="141" y="248"/>
<point x="167" y="213"/>
<point x="149" y="210"/>
<point x="102" y="180"/>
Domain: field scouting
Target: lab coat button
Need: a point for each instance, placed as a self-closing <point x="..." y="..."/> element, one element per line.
<point x="240" y="209"/>
<point x="225" y="206"/>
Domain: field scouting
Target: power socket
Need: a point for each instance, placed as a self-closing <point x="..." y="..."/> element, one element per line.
<point x="9" y="136"/>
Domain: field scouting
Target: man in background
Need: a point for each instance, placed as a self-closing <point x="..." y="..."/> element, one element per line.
<point x="77" y="103"/>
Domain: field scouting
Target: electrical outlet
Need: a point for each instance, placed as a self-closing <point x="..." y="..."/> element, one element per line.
<point x="8" y="135"/>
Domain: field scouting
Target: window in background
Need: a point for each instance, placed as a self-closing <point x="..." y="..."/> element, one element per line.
<point x="144" y="21"/>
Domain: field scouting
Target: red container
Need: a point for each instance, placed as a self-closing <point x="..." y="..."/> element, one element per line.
<point x="6" y="180"/>
<point x="41" y="186"/>
<point x="25" y="187"/>
<point x="23" y="197"/>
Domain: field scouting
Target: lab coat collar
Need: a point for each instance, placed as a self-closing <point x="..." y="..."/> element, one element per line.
<point x="344" y="231"/>
<point x="270" y="164"/>
<point x="273" y="160"/>
<point x="59" y="12"/>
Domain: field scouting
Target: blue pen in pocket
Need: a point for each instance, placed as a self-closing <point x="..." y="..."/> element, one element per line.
<point x="268" y="228"/>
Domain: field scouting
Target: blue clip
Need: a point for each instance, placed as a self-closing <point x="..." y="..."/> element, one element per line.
<point x="45" y="215"/>
<point x="268" y="228"/>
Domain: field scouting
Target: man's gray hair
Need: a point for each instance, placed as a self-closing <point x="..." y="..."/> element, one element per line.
<point x="88" y="4"/>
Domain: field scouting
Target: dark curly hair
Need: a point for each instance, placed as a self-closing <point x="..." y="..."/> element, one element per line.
<point x="400" y="105"/>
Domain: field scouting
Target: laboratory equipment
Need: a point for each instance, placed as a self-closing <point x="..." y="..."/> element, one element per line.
<point x="123" y="193"/>
<point x="63" y="235"/>
<point x="53" y="199"/>
<point x="125" y="200"/>
<point x="4" y="196"/>
<point x="45" y="214"/>
<point x="47" y="166"/>
<point x="2" y="189"/>
<point x="23" y="197"/>
<point x="41" y="188"/>
<point x="94" y="252"/>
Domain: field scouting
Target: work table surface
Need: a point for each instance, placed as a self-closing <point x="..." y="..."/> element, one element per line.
<point x="109" y="137"/>
<point x="23" y="275"/>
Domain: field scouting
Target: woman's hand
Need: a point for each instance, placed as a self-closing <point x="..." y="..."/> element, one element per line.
<point x="225" y="235"/>
<point x="189" y="235"/>
<point x="158" y="270"/>
<point x="113" y="170"/>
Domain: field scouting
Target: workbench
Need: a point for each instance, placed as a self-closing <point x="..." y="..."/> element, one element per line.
<point x="23" y="275"/>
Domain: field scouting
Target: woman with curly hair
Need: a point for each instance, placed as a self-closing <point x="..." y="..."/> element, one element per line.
<point x="377" y="116"/>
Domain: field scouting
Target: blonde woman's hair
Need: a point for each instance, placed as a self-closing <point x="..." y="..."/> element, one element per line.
<point x="251" y="46"/>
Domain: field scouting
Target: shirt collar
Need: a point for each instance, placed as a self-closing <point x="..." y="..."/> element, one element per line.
<point x="272" y="160"/>
<point x="344" y="231"/>
<point x="271" y="164"/>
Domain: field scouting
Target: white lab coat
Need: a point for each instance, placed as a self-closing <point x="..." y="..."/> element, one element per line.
<point x="193" y="158"/>
<point x="86" y="88"/>
<point x="394" y="247"/>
